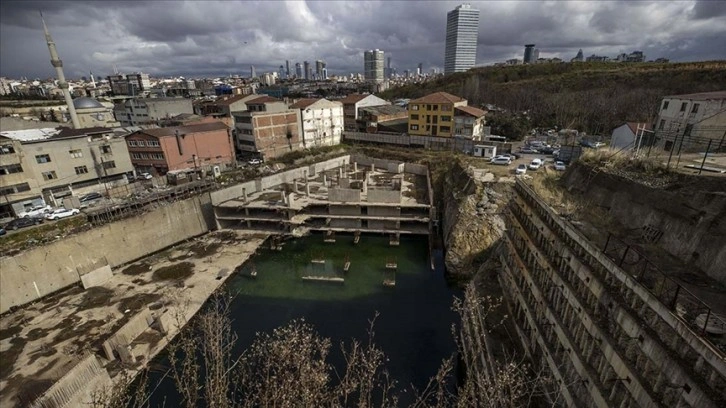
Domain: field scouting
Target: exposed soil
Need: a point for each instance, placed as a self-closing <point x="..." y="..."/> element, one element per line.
<point x="11" y="355"/>
<point x="179" y="271"/>
<point x="10" y="332"/>
<point x="201" y="249"/>
<point x="137" y="269"/>
<point x="137" y="302"/>
<point x="94" y="297"/>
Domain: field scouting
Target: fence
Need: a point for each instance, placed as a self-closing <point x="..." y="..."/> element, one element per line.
<point x="677" y="298"/>
<point x="427" y="142"/>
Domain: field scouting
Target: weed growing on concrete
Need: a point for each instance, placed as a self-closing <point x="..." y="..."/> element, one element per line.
<point x="178" y="272"/>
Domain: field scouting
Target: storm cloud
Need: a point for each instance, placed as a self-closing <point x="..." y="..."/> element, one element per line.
<point x="209" y="38"/>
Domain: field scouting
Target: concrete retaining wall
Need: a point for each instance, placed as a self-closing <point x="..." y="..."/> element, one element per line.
<point x="384" y="196"/>
<point x="419" y="169"/>
<point x="33" y="274"/>
<point x="384" y="211"/>
<point x="76" y="388"/>
<point x="344" y="210"/>
<point x="346" y="195"/>
<point x="120" y="340"/>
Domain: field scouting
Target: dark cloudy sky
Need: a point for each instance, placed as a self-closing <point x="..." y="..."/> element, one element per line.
<point x="209" y="38"/>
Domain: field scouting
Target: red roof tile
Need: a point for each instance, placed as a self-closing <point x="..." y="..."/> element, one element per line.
<point x="438" y="97"/>
<point x="476" y="112"/>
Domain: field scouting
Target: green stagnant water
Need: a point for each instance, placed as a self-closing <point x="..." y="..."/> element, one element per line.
<point x="415" y="317"/>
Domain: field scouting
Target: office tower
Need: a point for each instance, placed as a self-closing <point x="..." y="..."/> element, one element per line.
<point x="462" y="29"/>
<point x="529" y="54"/>
<point x="56" y="62"/>
<point x="419" y="70"/>
<point x="307" y="71"/>
<point x="253" y="74"/>
<point x="325" y="74"/>
<point x="281" y="72"/>
<point x="319" y="66"/>
<point x="298" y="70"/>
<point x="287" y="69"/>
<point x="373" y="65"/>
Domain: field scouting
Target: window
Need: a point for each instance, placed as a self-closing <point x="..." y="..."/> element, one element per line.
<point x="684" y="105"/>
<point x="76" y="154"/>
<point x="81" y="170"/>
<point x="132" y="143"/>
<point x="245" y="131"/>
<point x="446" y="108"/>
<point x="665" y="105"/>
<point x="109" y="165"/>
<point x="436" y="107"/>
<point x="15" y="188"/>
<point x="11" y="169"/>
<point x="49" y="175"/>
<point x="661" y="125"/>
<point x="136" y="156"/>
<point x="414" y="107"/>
<point x="445" y="129"/>
<point x="414" y="117"/>
<point x="695" y="108"/>
<point x="446" y="118"/>
<point x="42" y="158"/>
<point x="157" y="156"/>
<point x="7" y="149"/>
<point x="105" y="149"/>
<point x="152" y="143"/>
<point x="428" y="107"/>
<point x="414" y="127"/>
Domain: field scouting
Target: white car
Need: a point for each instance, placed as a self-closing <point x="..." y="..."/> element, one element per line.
<point x="560" y="166"/>
<point x="536" y="164"/>
<point x="521" y="169"/>
<point x="145" y="176"/>
<point x="255" y="162"/>
<point x="501" y="160"/>
<point x="36" y="211"/>
<point x="59" y="213"/>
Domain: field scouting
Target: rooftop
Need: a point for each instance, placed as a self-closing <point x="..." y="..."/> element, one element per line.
<point x="439" y="97"/>
<point x="476" y="112"/>
<point x="702" y="96"/>
<point x="634" y="126"/>
<point x="263" y="99"/>
<point x="304" y="103"/>
<point x="384" y="109"/>
<point x="353" y="98"/>
<point x="196" y="128"/>
<point x="37" y="135"/>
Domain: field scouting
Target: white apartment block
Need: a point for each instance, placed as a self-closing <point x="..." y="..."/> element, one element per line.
<point x="139" y="111"/>
<point x="692" y="119"/>
<point x="322" y="122"/>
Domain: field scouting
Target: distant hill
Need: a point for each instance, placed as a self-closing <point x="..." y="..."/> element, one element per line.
<point x="593" y="97"/>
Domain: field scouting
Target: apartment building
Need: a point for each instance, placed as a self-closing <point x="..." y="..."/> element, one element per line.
<point x="351" y="105"/>
<point x="321" y="121"/>
<point x="433" y="114"/>
<point x="692" y="120"/>
<point x="469" y="122"/>
<point x="199" y="146"/>
<point x="149" y="111"/>
<point x="222" y="108"/>
<point x="268" y="128"/>
<point x="374" y="119"/>
<point x="43" y="165"/>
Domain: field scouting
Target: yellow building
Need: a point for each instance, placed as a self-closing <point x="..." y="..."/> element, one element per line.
<point x="433" y="114"/>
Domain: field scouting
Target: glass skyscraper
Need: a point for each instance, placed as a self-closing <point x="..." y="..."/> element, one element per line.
<point x="462" y="29"/>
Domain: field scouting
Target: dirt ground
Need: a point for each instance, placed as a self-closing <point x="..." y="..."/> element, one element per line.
<point x="42" y="341"/>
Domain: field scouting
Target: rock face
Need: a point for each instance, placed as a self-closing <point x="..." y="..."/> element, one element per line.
<point x="472" y="223"/>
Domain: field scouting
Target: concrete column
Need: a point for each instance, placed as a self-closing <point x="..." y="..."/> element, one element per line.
<point x="365" y="184"/>
<point x="325" y="180"/>
<point x="373" y="167"/>
<point x="283" y="197"/>
<point x="340" y="173"/>
<point x="244" y="195"/>
<point x="307" y="188"/>
<point x="290" y="200"/>
<point x="355" y="167"/>
<point x="295" y="185"/>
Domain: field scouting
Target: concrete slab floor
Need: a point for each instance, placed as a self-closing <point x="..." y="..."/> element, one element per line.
<point x="41" y="341"/>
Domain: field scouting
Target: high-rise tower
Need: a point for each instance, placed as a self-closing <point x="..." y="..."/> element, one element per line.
<point x="62" y="84"/>
<point x="462" y="30"/>
<point x="529" y="57"/>
<point x="373" y="65"/>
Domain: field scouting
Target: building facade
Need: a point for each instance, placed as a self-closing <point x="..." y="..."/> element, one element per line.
<point x="373" y="119"/>
<point x="433" y="114"/>
<point x="351" y="106"/>
<point x="200" y="146"/>
<point x="469" y="122"/>
<point x="222" y="108"/>
<point x="627" y="135"/>
<point x="529" y="57"/>
<point x="373" y="65"/>
<point x="148" y="111"/>
<point x="692" y="120"/>
<point x="92" y="113"/>
<point x="321" y="122"/>
<point x="44" y="165"/>
<point x="267" y="129"/>
<point x="462" y="30"/>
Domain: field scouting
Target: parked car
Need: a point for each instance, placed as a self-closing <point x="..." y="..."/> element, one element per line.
<point x="144" y="176"/>
<point x="36" y="211"/>
<point x="528" y="150"/>
<point x="59" y="213"/>
<point x="23" y="222"/>
<point x="255" y="162"/>
<point x="536" y="164"/>
<point x="560" y="166"/>
<point x="90" y="197"/>
<point x="521" y="169"/>
<point x="501" y="160"/>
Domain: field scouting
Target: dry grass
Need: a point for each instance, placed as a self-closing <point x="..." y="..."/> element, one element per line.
<point x="547" y="186"/>
<point x="617" y="159"/>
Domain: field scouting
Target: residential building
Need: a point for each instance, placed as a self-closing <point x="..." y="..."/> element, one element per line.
<point x="529" y="57"/>
<point x="469" y="122"/>
<point x="92" y="113"/>
<point x="5" y="88"/>
<point x="222" y="108"/>
<point x="44" y="165"/>
<point x="148" y="111"/>
<point x="321" y="121"/>
<point x="628" y="135"/>
<point x="692" y="120"/>
<point x="119" y="84"/>
<point x="433" y="114"/>
<point x="462" y="31"/>
<point x="319" y="67"/>
<point x="138" y="83"/>
<point x="198" y="146"/>
<point x="373" y="65"/>
<point x="351" y="105"/>
<point x="382" y="118"/>
<point x="268" y="128"/>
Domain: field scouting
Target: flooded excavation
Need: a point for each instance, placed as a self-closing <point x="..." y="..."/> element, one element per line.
<point x="414" y="323"/>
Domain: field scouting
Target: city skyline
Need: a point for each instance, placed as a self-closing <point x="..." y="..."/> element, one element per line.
<point x="205" y="40"/>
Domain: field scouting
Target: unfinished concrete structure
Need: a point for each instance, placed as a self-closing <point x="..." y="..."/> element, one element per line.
<point x="609" y="338"/>
<point x="351" y="194"/>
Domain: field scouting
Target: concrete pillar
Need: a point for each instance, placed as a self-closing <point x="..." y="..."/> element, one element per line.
<point x="373" y="167"/>
<point x="244" y="194"/>
<point x="295" y="185"/>
<point x="307" y="189"/>
<point x="355" y="167"/>
<point x="340" y="172"/>
<point x="283" y="197"/>
<point x="290" y="200"/>
<point x="365" y="184"/>
<point x="325" y="180"/>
